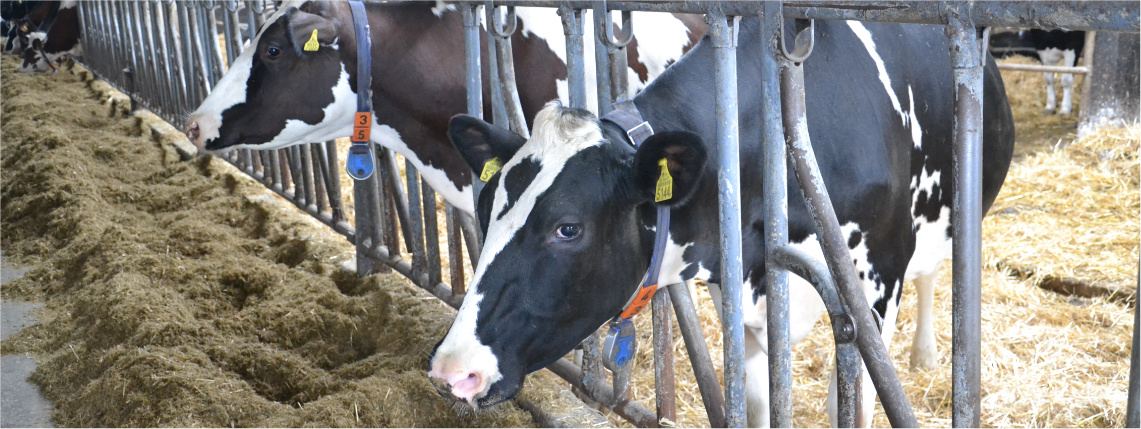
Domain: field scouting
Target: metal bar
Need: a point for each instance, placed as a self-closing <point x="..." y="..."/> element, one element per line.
<point x="399" y="197"/>
<point x="415" y="220"/>
<point x="455" y="251"/>
<point x="320" y="175"/>
<point x="691" y="333"/>
<point x="1044" y="69"/>
<point x="498" y="106"/>
<point x="848" y="363"/>
<point x="836" y="254"/>
<point x="598" y="390"/>
<point x="1067" y="15"/>
<point x="333" y="182"/>
<point x="775" y="195"/>
<point x="573" y="29"/>
<point x="722" y="32"/>
<point x="431" y="234"/>
<point x="602" y="62"/>
<point x="966" y="218"/>
<point x="1133" y="401"/>
<point x="665" y="397"/>
<point x="471" y="56"/>
<point x="307" y="185"/>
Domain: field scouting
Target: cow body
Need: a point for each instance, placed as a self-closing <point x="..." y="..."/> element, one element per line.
<point x="1058" y="47"/>
<point x="569" y="219"/>
<point x="418" y="81"/>
<point x="59" y="40"/>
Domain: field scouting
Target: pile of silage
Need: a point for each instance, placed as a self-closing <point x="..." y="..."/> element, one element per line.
<point x="179" y="294"/>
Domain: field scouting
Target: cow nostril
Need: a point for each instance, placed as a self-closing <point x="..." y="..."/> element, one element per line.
<point x="192" y="133"/>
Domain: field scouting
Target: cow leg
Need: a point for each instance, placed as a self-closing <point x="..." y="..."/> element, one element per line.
<point x="1051" y="102"/>
<point x="1068" y="59"/>
<point x="756" y="378"/>
<point x="924" y="353"/>
<point x="1050" y="57"/>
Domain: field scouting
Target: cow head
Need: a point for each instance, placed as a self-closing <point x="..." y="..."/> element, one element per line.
<point x="32" y="58"/>
<point x="18" y="36"/>
<point x="568" y="237"/>
<point x="278" y="92"/>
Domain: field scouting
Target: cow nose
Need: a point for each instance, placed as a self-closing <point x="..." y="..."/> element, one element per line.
<point x="465" y="384"/>
<point x="192" y="133"/>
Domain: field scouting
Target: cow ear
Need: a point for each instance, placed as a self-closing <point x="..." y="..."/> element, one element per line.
<point x="683" y="157"/>
<point x="308" y="30"/>
<point x="37" y="44"/>
<point x="485" y="147"/>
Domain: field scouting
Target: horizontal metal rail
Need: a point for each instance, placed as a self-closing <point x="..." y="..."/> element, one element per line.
<point x="1044" y="69"/>
<point x="1067" y="15"/>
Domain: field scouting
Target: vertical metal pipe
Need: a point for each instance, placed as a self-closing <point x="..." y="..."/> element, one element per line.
<point x="307" y="187"/>
<point x="690" y="327"/>
<point x="775" y="194"/>
<point x="474" y="82"/>
<point x="602" y="59"/>
<point x="431" y="234"/>
<point x="1133" y="401"/>
<point x="320" y="175"/>
<point x="664" y="392"/>
<point x="364" y="201"/>
<point x="415" y="222"/>
<point x="966" y="218"/>
<point x="498" y="108"/>
<point x="723" y="34"/>
<point x="333" y="182"/>
<point x="576" y="80"/>
<point x="455" y="251"/>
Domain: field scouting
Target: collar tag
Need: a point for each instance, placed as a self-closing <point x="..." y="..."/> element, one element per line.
<point x="359" y="164"/>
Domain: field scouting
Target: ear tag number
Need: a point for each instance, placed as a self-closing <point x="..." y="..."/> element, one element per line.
<point x="665" y="188"/>
<point x="312" y="45"/>
<point x="490" y="168"/>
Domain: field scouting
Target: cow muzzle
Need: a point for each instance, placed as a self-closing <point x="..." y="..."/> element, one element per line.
<point x="460" y="383"/>
<point x="194" y="132"/>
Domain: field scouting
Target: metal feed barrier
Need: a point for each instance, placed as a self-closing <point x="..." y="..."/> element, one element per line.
<point x="167" y="55"/>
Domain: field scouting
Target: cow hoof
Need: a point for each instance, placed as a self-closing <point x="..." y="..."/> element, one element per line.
<point x="1049" y="110"/>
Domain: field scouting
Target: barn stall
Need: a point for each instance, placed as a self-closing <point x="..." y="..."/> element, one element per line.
<point x="1110" y="321"/>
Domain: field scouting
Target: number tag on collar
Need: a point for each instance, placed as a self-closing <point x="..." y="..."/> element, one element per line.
<point x="362" y="127"/>
<point x="490" y="168"/>
<point x="312" y="45"/>
<point x="665" y="187"/>
<point x="620" y="345"/>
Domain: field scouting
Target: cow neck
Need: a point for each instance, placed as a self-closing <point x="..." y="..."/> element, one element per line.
<point x="359" y="162"/>
<point x="620" y="342"/>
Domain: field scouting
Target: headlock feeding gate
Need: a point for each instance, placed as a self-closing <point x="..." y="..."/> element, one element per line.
<point x="168" y="55"/>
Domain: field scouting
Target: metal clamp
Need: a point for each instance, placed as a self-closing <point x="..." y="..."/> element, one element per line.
<point x="604" y="27"/>
<point x="803" y="41"/>
<point x="494" y="24"/>
<point x="258" y="6"/>
<point x="231" y="5"/>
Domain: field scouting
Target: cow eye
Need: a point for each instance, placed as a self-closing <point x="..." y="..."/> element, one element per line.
<point x="272" y="52"/>
<point x="568" y="231"/>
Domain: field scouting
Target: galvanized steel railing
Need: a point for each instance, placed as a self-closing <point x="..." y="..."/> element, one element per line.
<point x="167" y="55"/>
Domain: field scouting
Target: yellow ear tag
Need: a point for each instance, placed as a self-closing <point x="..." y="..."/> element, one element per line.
<point x="312" y="45"/>
<point x="490" y="168"/>
<point x="665" y="188"/>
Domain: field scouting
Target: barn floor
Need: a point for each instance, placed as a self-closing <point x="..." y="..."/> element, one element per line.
<point x="178" y="294"/>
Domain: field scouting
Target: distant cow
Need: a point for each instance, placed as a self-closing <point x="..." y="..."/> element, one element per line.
<point x="20" y="19"/>
<point x="1054" y="47"/>
<point x="276" y="94"/>
<point x="57" y="39"/>
<point x="569" y="219"/>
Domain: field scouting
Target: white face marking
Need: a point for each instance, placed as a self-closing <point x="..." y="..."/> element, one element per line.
<point x="661" y="38"/>
<point x="554" y="141"/>
<point x="866" y="37"/>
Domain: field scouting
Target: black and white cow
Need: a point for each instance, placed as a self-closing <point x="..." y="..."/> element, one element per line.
<point x="1058" y="47"/>
<point x="275" y="94"/>
<point x="20" y="19"/>
<point x="569" y="219"/>
<point x="58" y="41"/>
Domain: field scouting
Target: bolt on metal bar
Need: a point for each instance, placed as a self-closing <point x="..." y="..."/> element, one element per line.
<point x="722" y="33"/>
<point x="691" y="333"/>
<point x="966" y="218"/>
<point x="775" y="196"/>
